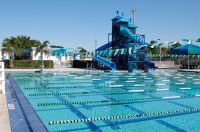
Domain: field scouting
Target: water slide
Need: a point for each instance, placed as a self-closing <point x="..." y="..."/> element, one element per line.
<point x="104" y="61"/>
<point x="150" y="64"/>
<point x="136" y="38"/>
<point x="131" y="36"/>
<point x="104" y="47"/>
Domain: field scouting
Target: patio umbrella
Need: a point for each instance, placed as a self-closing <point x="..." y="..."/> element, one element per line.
<point x="188" y="49"/>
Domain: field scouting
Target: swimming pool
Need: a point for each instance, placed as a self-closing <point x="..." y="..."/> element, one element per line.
<point x="161" y="100"/>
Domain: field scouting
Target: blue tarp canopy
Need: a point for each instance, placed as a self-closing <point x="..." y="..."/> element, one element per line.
<point x="117" y="18"/>
<point x="132" y="25"/>
<point x="59" y="52"/>
<point x="122" y="20"/>
<point x="188" y="49"/>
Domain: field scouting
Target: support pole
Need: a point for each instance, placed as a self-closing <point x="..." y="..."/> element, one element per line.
<point x="188" y="61"/>
<point x="133" y="14"/>
<point x="95" y="53"/>
<point x="160" y="54"/>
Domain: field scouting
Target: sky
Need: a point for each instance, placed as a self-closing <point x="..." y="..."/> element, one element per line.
<point x="78" y="23"/>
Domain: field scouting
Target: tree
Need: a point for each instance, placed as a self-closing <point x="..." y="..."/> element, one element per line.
<point x="42" y="48"/>
<point x="177" y="44"/>
<point x="151" y="47"/>
<point x="165" y="50"/>
<point x="81" y="51"/>
<point x="19" y="44"/>
<point x="8" y="44"/>
<point x="153" y="42"/>
<point x="56" y="46"/>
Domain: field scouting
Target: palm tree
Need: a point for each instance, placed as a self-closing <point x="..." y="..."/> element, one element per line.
<point x="176" y="44"/>
<point x="151" y="46"/>
<point x="82" y="52"/>
<point x="18" y="44"/>
<point x="8" y="45"/>
<point x="42" y="48"/>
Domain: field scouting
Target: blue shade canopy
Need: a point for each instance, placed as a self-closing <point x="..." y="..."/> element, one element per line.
<point x="117" y="18"/>
<point x="132" y="25"/>
<point x="122" y="20"/>
<point x="185" y="40"/>
<point x="59" y="52"/>
<point x="197" y="40"/>
<point x="188" y="49"/>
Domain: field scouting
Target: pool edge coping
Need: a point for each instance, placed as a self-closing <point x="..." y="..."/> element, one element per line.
<point x="33" y="118"/>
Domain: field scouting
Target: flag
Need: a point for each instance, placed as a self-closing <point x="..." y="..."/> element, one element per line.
<point x="122" y="51"/>
<point x="130" y="50"/>
<point x="116" y="52"/>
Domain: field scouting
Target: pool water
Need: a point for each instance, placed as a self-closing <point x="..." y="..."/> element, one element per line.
<point x="161" y="100"/>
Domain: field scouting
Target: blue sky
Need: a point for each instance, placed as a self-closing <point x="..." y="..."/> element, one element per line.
<point x="74" y="23"/>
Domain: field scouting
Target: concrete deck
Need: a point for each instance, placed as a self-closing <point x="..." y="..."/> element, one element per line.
<point x="55" y="69"/>
<point x="4" y="118"/>
<point x="189" y="70"/>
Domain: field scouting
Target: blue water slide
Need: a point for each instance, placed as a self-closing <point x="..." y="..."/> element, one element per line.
<point x="150" y="64"/>
<point x="126" y="32"/>
<point x="104" y="47"/>
<point x="106" y="62"/>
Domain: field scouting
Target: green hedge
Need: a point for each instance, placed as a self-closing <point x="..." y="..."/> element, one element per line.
<point x="6" y="63"/>
<point x="29" y="63"/>
<point x="81" y="64"/>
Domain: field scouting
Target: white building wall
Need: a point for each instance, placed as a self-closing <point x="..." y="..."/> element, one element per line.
<point x="4" y="55"/>
<point x="38" y="56"/>
<point x="49" y="57"/>
<point x="1" y="57"/>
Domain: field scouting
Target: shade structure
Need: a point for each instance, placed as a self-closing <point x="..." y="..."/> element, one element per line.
<point x="59" y="52"/>
<point x="188" y="49"/>
<point x="197" y="40"/>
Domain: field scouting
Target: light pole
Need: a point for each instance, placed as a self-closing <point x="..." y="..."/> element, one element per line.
<point x="160" y="54"/>
<point x="95" y="47"/>
<point x="133" y="14"/>
<point x="160" y="49"/>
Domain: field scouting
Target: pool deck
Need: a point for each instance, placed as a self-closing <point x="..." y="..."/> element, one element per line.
<point x="59" y="70"/>
<point x="189" y="70"/>
<point x="46" y="70"/>
<point x="74" y="69"/>
<point x="4" y="118"/>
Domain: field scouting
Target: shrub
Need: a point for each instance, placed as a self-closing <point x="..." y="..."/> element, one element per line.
<point x="29" y="63"/>
<point x="6" y="63"/>
<point x="81" y="64"/>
